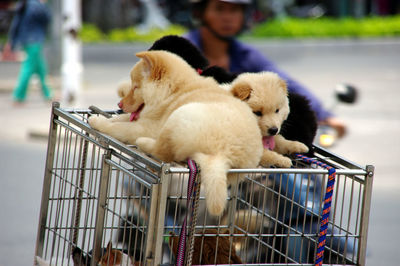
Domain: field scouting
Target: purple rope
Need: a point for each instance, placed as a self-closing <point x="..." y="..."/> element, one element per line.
<point x="326" y="210"/>
<point x="180" y="256"/>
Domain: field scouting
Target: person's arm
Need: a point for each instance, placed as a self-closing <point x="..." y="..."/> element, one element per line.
<point x="13" y="31"/>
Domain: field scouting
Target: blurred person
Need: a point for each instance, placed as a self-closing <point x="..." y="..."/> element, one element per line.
<point x="220" y="22"/>
<point x="28" y="29"/>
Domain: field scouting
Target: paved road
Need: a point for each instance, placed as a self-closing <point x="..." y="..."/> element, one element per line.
<point x="374" y="127"/>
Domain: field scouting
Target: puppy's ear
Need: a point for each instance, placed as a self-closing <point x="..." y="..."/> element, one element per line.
<point x="154" y="64"/>
<point x="109" y="247"/>
<point x="109" y="256"/>
<point x="241" y="90"/>
<point x="283" y="85"/>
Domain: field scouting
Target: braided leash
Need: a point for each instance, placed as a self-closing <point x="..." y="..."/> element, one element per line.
<point x="327" y="206"/>
<point x="193" y="188"/>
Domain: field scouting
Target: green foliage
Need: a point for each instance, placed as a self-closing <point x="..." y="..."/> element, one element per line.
<point x="90" y="33"/>
<point x="328" y="27"/>
<point x="323" y="27"/>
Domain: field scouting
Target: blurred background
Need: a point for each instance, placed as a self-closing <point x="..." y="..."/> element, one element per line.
<point x="320" y="43"/>
<point x="124" y="21"/>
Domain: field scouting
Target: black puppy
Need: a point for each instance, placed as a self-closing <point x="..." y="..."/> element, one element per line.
<point x="182" y="47"/>
<point x="80" y="259"/>
<point x="301" y="124"/>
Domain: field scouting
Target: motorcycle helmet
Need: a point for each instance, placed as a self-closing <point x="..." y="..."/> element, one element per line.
<point x="198" y="7"/>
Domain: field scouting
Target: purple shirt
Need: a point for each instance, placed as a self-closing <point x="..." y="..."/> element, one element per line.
<point x="245" y="58"/>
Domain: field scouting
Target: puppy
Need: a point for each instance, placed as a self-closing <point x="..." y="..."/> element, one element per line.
<point x="182" y="47"/>
<point x="206" y="251"/>
<point x="267" y="96"/>
<point x="115" y="257"/>
<point x="79" y="258"/>
<point x="184" y="115"/>
<point x="301" y="124"/>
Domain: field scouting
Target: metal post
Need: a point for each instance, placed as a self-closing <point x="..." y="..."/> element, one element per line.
<point x="232" y="204"/>
<point x="163" y="194"/>
<point x="101" y="207"/>
<point x="72" y="67"/>
<point x="79" y="192"/>
<point x="196" y="199"/>
<point x="155" y="229"/>
<point x="365" y="210"/>
<point x="47" y="182"/>
<point x="55" y="38"/>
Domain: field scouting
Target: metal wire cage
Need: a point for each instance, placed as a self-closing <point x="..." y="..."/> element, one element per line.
<point x="98" y="190"/>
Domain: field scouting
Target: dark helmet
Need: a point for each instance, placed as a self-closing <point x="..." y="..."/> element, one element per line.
<point x="198" y="7"/>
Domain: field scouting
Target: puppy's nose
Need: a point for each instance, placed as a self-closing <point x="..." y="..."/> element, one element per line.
<point x="120" y="105"/>
<point x="272" y="131"/>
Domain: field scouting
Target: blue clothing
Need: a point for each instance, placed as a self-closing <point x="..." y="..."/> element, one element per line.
<point x="245" y="58"/>
<point x="29" y="24"/>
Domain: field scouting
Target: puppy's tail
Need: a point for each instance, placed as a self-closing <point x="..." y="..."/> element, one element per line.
<point x="213" y="170"/>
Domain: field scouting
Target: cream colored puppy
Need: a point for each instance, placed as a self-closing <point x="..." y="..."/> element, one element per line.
<point x="183" y="115"/>
<point x="266" y="94"/>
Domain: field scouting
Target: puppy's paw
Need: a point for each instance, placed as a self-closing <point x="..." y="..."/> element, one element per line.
<point x="146" y="144"/>
<point x="290" y="146"/>
<point x="284" y="162"/>
<point x="297" y="147"/>
<point x="271" y="158"/>
<point x="98" y="122"/>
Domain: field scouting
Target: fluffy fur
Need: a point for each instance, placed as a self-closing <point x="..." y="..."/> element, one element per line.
<point x="187" y="116"/>
<point x="182" y="47"/>
<point x="300" y="125"/>
<point x="115" y="257"/>
<point x="266" y="94"/>
<point x="205" y="250"/>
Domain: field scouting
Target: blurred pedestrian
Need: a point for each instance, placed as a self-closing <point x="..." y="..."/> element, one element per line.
<point x="28" y="29"/>
<point x="220" y="22"/>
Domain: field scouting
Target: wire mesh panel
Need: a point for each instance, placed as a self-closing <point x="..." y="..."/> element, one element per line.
<point x="98" y="191"/>
<point x="274" y="216"/>
<point x="84" y="202"/>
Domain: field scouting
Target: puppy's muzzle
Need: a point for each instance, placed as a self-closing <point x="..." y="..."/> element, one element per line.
<point x="273" y="131"/>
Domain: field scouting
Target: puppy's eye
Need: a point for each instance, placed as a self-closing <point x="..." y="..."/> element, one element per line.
<point x="277" y="111"/>
<point x="257" y="113"/>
